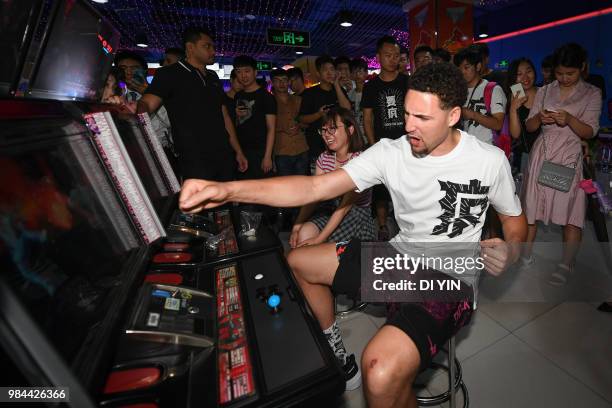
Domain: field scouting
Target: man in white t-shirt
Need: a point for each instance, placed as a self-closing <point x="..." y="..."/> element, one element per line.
<point x="441" y="181"/>
<point x="479" y="119"/>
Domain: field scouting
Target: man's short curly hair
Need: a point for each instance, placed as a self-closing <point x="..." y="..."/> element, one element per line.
<point x="443" y="80"/>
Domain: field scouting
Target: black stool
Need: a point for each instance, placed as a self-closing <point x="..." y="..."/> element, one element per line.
<point x="355" y="307"/>
<point x="455" y="382"/>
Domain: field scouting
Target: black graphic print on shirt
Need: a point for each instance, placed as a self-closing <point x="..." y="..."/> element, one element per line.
<point x="462" y="206"/>
<point x="248" y="109"/>
<point x="391" y="108"/>
<point x="477" y="105"/>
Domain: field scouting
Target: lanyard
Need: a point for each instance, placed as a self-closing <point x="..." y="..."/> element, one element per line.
<point x="474" y="90"/>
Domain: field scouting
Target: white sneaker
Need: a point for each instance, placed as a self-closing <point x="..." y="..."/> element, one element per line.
<point x="525" y="263"/>
<point x="561" y="275"/>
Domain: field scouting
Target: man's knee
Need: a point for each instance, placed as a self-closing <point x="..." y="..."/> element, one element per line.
<point x="309" y="230"/>
<point x="298" y="262"/>
<point x="314" y="264"/>
<point x="295" y="259"/>
<point x="386" y="373"/>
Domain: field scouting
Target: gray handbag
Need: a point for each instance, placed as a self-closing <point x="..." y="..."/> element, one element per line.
<point x="555" y="175"/>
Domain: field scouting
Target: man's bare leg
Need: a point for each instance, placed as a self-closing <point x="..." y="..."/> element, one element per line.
<point x="390" y="363"/>
<point x="314" y="268"/>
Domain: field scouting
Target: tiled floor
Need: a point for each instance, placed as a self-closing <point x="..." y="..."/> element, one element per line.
<point x="553" y="354"/>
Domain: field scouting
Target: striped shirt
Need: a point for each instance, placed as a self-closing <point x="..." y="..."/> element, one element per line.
<point x="327" y="163"/>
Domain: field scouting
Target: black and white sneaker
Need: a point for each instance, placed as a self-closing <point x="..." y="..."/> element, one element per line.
<point x="352" y="375"/>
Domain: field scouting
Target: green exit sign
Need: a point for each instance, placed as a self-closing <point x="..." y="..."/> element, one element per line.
<point x="264" y="66"/>
<point x="288" y="37"/>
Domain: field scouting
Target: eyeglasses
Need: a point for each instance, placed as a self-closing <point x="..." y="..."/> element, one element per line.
<point x="331" y="130"/>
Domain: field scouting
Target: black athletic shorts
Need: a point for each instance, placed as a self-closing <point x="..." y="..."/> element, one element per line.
<point x="428" y="323"/>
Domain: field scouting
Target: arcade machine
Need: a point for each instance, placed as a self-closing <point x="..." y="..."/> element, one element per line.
<point x="193" y="239"/>
<point x="79" y="229"/>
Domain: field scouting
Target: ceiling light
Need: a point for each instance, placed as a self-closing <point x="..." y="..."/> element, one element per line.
<point x="484" y="31"/>
<point x="141" y="41"/>
<point x="346" y="19"/>
<point x="249" y="17"/>
<point x="100" y="1"/>
<point x="299" y="52"/>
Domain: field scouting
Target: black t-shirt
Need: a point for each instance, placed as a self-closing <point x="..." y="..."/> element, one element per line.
<point x="386" y="99"/>
<point x="193" y="102"/>
<point x="252" y="128"/>
<point x="230" y="104"/>
<point x="312" y="100"/>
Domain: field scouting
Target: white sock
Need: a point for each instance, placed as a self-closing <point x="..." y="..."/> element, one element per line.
<point x="334" y="338"/>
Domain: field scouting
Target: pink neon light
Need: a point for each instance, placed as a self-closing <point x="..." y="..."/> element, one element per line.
<point x="548" y="25"/>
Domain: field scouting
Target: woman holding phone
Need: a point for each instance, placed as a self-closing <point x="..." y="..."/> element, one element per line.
<point x="568" y="112"/>
<point x="522" y="75"/>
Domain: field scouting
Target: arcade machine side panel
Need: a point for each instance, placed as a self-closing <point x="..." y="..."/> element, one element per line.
<point x="16" y="33"/>
<point x="69" y="250"/>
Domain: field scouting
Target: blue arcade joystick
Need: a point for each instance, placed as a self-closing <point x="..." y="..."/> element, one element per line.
<point x="273" y="301"/>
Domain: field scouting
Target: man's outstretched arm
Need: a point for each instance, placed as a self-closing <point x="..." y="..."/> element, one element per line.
<point x="290" y="191"/>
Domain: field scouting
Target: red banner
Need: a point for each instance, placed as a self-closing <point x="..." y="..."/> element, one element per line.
<point x="440" y="24"/>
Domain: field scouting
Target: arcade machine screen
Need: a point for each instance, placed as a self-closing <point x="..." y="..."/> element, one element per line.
<point x="144" y="162"/>
<point x="14" y="32"/>
<point x="77" y="56"/>
<point x="65" y="238"/>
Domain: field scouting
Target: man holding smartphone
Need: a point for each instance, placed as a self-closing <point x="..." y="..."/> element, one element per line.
<point x="134" y="69"/>
<point x="317" y="100"/>
<point x="479" y="119"/>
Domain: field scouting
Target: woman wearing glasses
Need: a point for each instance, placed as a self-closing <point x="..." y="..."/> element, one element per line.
<point x="347" y="216"/>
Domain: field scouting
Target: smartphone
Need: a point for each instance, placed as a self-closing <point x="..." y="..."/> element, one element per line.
<point x="121" y="89"/>
<point x="139" y="76"/>
<point x="549" y="110"/>
<point x="518" y="89"/>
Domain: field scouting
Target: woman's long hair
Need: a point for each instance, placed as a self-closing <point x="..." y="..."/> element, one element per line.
<point x="348" y="119"/>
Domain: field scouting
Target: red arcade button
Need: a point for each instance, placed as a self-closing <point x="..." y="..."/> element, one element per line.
<point x="131" y="379"/>
<point x="164" y="278"/>
<point x="172" y="257"/>
<point x="176" y="246"/>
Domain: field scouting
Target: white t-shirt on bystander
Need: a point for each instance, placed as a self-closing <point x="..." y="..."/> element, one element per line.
<point x="476" y="102"/>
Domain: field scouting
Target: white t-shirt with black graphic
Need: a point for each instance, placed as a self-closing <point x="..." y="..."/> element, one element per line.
<point x="439" y="198"/>
<point x="476" y="102"/>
